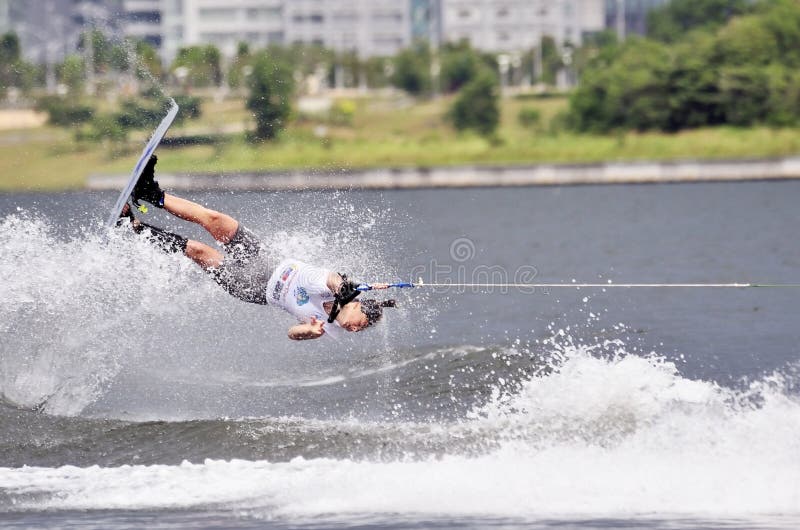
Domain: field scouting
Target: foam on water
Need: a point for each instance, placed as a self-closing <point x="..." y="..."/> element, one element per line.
<point x="614" y="437"/>
<point x="599" y="430"/>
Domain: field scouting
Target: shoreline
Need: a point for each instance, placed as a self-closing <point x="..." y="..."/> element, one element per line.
<point x="474" y="176"/>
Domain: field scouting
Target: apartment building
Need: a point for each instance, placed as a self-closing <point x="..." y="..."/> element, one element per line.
<point x="513" y="25"/>
<point x="368" y="27"/>
<point x="141" y="20"/>
<point x="48" y="28"/>
<point x="630" y="16"/>
<point x="222" y="23"/>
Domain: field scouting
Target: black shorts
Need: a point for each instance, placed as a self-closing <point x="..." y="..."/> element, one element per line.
<point x="246" y="269"/>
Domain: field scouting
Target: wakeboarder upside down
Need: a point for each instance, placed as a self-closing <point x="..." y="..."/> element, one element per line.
<point x="322" y="300"/>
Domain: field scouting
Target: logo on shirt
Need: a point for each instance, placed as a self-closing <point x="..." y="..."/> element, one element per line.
<point x="276" y="291"/>
<point x="288" y="272"/>
<point x="301" y="295"/>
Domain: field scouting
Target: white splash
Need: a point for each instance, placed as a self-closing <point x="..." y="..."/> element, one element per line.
<point x="626" y="437"/>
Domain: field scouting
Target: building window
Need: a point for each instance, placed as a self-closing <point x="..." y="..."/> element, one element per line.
<point x="346" y="17"/>
<point x="264" y="13"/>
<point x="316" y="18"/>
<point x="502" y="12"/>
<point x="149" y="17"/>
<point x="153" y="40"/>
<point x="217" y="14"/>
<point x="387" y="17"/>
<point x="388" y="42"/>
<point x="465" y="13"/>
<point x="218" y="39"/>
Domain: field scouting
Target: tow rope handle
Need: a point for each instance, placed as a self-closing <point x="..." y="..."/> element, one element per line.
<point x="398" y="285"/>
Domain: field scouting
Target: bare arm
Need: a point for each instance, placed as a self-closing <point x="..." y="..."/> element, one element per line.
<point x="334" y="281"/>
<point x="307" y="330"/>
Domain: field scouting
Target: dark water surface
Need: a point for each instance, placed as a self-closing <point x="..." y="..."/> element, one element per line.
<point x="135" y="392"/>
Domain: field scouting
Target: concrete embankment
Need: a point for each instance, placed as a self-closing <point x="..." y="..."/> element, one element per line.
<point x="475" y="176"/>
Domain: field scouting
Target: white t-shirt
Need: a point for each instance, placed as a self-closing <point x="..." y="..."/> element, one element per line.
<point x="301" y="289"/>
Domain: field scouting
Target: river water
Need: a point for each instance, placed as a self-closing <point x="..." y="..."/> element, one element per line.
<point x="135" y="392"/>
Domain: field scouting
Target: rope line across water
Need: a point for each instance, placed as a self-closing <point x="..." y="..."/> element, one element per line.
<point x="420" y="283"/>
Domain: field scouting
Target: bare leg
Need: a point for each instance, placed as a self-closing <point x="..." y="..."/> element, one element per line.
<point x="202" y="254"/>
<point x="221" y="227"/>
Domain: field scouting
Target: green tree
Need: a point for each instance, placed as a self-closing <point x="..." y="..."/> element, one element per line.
<point x="203" y="65"/>
<point x="460" y="65"/>
<point x="72" y="73"/>
<point x="10" y="50"/>
<point x="477" y="105"/>
<point x="412" y="70"/>
<point x="782" y="19"/>
<point x="552" y="61"/>
<point x="376" y="69"/>
<point x="148" y="63"/>
<point x="783" y="104"/>
<point x="9" y="61"/>
<point x="352" y="68"/>
<point x="120" y="57"/>
<point x="746" y="40"/>
<point x="239" y="66"/>
<point x="271" y="87"/>
<point x="630" y="91"/>
<point x="744" y="92"/>
<point x="675" y="18"/>
<point x="739" y="70"/>
<point x="694" y="95"/>
<point x="305" y="58"/>
<point x="29" y="76"/>
<point x="102" y="49"/>
<point x="593" y="46"/>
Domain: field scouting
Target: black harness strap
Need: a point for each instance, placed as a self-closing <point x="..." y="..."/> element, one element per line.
<point x="347" y="293"/>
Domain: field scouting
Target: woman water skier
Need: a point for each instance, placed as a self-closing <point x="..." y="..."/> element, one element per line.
<point x="322" y="300"/>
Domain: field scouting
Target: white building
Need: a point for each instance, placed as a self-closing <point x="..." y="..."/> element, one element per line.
<point x="49" y="30"/>
<point x="141" y="20"/>
<point x="517" y="25"/>
<point x="222" y="23"/>
<point x="368" y="27"/>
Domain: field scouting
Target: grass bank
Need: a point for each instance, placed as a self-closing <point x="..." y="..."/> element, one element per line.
<point x="383" y="132"/>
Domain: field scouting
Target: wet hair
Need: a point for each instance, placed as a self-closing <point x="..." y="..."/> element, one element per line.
<point x="373" y="309"/>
